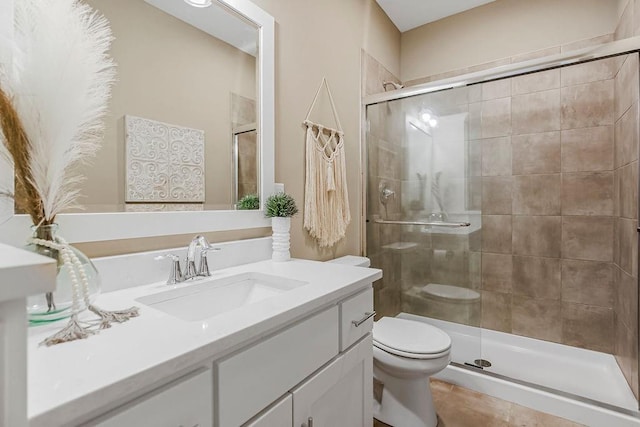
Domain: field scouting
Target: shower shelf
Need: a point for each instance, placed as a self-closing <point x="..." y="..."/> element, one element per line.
<point x="430" y="224"/>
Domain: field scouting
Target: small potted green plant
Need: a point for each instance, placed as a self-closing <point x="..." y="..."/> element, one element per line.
<point x="249" y="202"/>
<point x="280" y="207"/>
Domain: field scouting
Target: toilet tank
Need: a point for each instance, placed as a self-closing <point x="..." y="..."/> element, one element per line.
<point x="357" y="261"/>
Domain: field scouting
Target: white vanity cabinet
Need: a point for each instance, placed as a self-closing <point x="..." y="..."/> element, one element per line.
<point x="251" y="379"/>
<point x="279" y="414"/>
<point x="337" y="393"/>
<point x="186" y="402"/>
<point x="317" y="368"/>
<point x="340" y="394"/>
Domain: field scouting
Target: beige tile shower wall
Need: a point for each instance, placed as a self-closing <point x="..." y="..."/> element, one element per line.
<point x="247" y="161"/>
<point x="502" y="29"/>
<point x="578" y="44"/>
<point x="625" y="259"/>
<point x="384" y="137"/>
<point x="374" y="75"/>
<point x="545" y="143"/>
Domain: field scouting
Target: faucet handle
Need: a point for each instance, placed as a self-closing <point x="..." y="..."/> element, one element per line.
<point x="203" y="269"/>
<point x="175" y="274"/>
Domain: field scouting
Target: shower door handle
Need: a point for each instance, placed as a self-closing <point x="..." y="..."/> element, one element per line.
<point x="431" y="224"/>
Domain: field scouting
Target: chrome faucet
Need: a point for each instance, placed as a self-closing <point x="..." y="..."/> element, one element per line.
<point x="191" y="272"/>
<point x="175" y="274"/>
<point x="190" y="263"/>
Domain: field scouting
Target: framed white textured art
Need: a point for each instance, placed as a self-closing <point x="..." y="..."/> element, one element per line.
<point x="164" y="162"/>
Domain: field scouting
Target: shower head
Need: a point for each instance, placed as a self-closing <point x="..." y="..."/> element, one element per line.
<point x="394" y="84"/>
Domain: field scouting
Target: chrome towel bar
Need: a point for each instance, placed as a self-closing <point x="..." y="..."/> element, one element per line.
<point x="431" y="224"/>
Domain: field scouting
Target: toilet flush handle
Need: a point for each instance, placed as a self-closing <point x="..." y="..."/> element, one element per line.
<point x="366" y="317"/>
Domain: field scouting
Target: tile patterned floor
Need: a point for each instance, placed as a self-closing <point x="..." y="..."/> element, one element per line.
<point x="461" y="407"/>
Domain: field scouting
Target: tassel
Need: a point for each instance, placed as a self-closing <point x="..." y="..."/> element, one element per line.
<point x="118" y="316"/>
<point x="73" y="331"/>
<point x="331" y="183"/>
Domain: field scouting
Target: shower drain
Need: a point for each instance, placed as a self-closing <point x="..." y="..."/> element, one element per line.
<point x="482" y="363"/>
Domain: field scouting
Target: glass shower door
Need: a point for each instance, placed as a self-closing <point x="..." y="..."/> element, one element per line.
<point x="423" y="214"/>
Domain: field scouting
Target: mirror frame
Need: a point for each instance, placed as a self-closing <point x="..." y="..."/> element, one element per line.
<point x="94" y="227"/>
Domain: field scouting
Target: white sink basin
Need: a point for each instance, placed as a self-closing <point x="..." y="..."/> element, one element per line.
<point x="211" y="297"/>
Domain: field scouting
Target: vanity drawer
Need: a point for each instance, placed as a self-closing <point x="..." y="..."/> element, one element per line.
<point x="186" y="402"/>
<point x="250" y="380"/>
<point x="355" y="309"/>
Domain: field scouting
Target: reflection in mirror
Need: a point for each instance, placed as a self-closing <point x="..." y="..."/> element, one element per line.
<point x="245" y="153"/>
<point x="187" y="78"/>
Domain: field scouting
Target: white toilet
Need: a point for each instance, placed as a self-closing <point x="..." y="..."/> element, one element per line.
<point x="405" y="354"/>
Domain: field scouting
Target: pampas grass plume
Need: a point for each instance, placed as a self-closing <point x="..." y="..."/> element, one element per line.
<point x="59" y="86"/>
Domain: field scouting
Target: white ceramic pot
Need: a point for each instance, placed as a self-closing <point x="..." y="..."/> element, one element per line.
<point x="281" y="227"/>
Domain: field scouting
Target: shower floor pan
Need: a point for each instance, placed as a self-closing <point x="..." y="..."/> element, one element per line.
<point x="581" y="385"/>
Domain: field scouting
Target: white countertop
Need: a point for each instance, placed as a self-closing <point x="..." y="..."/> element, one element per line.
<point x="67" y="382"/>
<point x="24" y="273"/>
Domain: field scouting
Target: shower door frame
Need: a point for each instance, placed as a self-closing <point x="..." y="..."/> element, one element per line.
<point x="620" y="47"/>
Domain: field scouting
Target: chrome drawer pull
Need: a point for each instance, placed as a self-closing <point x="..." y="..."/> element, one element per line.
<point x="367" y="316"/>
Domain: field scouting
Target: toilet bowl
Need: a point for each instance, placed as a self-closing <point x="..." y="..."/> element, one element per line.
<point x="405" y="354"/>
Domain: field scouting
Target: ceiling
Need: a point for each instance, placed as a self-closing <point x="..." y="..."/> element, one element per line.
<point x="215" y="21"/>
<point x="409" y="14"/>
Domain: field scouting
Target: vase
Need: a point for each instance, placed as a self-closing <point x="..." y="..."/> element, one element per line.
<point x="56" y="305"/>
<point x="281" y="227"/>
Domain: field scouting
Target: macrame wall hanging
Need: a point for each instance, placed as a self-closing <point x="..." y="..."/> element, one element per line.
<point x="326" y="200"/>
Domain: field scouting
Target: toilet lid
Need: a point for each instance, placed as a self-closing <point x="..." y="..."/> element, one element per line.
<point x="409" y="336"/>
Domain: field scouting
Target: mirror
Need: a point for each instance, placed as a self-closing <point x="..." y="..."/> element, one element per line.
<point x="186" y="80"/>
<point x="172" y="84"/>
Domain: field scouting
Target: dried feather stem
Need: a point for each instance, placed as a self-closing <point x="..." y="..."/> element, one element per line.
<point x="17" y="145"/>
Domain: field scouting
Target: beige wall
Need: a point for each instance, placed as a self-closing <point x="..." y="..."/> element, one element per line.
<point x="622" y="4"/>
<point x="316" y="39"/>
<point x="6" y="29"/>
<point x="6" y="37"/>
<point x="629" y="22"/>
<point x="502" y="29"/>
<point x="174" y="73"/>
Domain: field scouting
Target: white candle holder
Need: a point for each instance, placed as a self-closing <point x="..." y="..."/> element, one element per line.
<point x="281" y="227"/>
